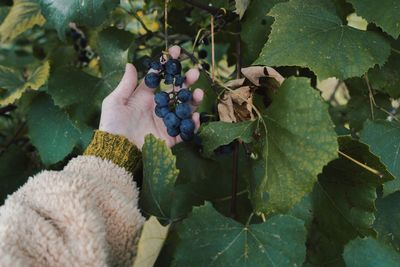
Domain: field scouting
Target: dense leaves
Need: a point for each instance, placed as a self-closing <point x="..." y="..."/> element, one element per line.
<point x="274" y="189"/>
<point x="223" y="242"/>
<point x="320" y="41"/>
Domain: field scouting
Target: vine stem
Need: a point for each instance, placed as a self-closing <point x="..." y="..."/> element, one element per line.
<point x="166" y="24"/>
<point x="376" y="172"/>
<point x="235" y="167"/>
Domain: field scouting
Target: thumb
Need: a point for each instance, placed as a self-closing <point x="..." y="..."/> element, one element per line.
<point x="127" y="84"/>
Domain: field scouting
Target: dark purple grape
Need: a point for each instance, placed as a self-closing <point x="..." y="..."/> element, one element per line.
<point x="202" y="54"/>
<point x="183" y="111"/>
<point x="179" y="80"/>
<point x="156" y="65"/>
<point x="171" y="120"/>
<point x="83" y="42"/>
<point x="187" y="126"/>
<point x="174" y="132"/>
<point x="161" y="99"/>
<point x="173" y="67"/>
<point x="161" y="111"/>
<point x="169" y="79"/>
<point x="146" y="62"/>
<point x="204" y="117"/>
<point x="206" y="66"/>
<point x="152" y="80"/>
<point x="187" y="136"/>
<point x="184" y="95"/>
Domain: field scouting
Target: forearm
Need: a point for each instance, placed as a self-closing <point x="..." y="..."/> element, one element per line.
<point x="84" y="215"/>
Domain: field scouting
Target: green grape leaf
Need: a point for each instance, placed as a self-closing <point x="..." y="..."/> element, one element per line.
<point x="300" y="141"/>
<point x="256" y="26"/>
<point x="15" y="84"/>
<point x="387" y="78"/>
<point x="51" y="130"/>
<point x="385" y="14"/>
<point x="320" y="41"/>
<point x="159" y="177"/>
<point x="343" y="199"/>
<point x="369" y="252"/>
<point x="215" y="134"/>
<point x="387" y="222"/>
<point x="60" y="13"/>
<point x="210" y="239"/>
<point x="383" y="137"/>
<point x="112" y="46"/>
<point x="241" y="6"/>
<point x="24" y="14"/>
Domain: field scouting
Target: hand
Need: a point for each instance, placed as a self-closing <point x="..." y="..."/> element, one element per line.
<point x="129" y="109"/>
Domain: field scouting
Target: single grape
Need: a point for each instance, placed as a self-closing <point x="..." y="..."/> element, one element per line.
<point x="161" y="111"/>
<point x="146" y="62"/>
<point x="202" y="53"/>
<point x="179" y="80"/>
<point x="171" y="120"/>
<point x="187" y="126"/>
<point x="225" y="149"/>
<point x="184" y="95"/>
<point x="173" y="66"/>
<point x="206" y="66"/>
<point x="169" y="79"/>
<point x="83" y="42"/>
<point x="183" y="111"/>
<point x="75" y="35"/>
<point x="156" y="65"/>
<point x="187" y="137"/>
<point x="204" y="117"/>
<point x="161" y="99"/>
<point x="152" y="80"/>
<point x="174" y="132"/>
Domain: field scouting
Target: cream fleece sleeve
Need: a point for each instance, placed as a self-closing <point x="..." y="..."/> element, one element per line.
<point x="84" y="215"/>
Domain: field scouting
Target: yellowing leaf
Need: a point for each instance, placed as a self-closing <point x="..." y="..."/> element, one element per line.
<point x="23" y="15"/>
<point x="14" y="85"/>
<point x="241" y="6"/>
<point x="150" y="243"/>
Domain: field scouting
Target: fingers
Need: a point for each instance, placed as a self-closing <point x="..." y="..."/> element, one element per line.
<point x="191" y="77"/>
<point x="197" y="97"/>
<point x="127" y="85"/>
<point x="174" y="51"/>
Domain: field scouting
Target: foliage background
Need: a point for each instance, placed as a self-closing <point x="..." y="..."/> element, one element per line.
<point x="318" y="179"/>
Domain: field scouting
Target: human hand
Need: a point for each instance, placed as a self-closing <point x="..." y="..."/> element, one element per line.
<point x="129" y="109"/>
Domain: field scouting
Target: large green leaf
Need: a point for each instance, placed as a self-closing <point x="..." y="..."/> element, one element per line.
<point x="210" y="239"/>
<point x="23" y="15"/>
<point x="15" y="84"/>
<point x="59" y="13"/>
<point x="112" y="46"/>
<point x="384" y="13"/>
<point x="383" y="137"/>
<point x="215" y="134"/>
<point x="300" y="141"/>
<point x="51" y="130"/>
<point x="369" y="252"/>
<point x="159" y="177"/>
<point x="387" y="78"/>
<point x="256" y="26"/>
<point x="320" y="41"/>
<point x="387" y="221"/>
<point x="343" y="200"/>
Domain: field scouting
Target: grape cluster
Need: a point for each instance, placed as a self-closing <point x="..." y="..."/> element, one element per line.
<point x="174" y="108"/>
<point x="85" y="53"/>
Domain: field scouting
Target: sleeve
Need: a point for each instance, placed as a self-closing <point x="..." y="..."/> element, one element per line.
<point x="85" y="215"/>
